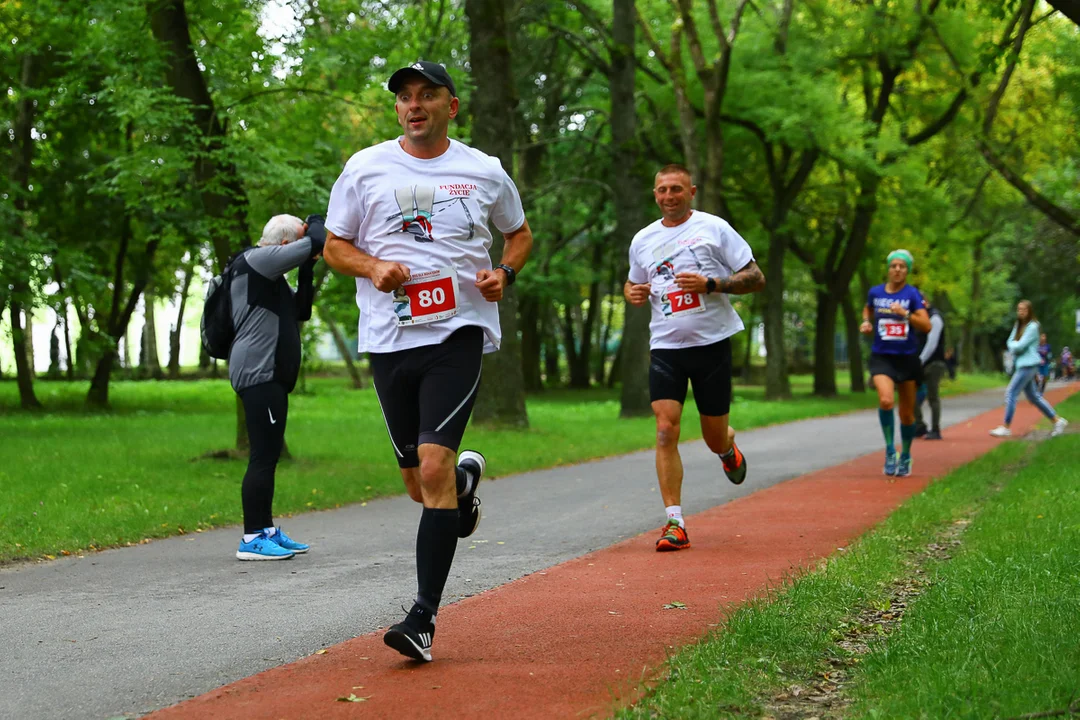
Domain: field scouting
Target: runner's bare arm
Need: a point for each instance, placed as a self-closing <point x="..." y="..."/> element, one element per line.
<point x="347" y="259"/>
<point x="920" y="320"/>
<point x="517" y="248"/>
<point x="867" y="327"/>
<point x="749" y="279"/>
<point x="518" y="245"/>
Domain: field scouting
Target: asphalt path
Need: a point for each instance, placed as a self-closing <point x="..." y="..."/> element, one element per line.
<point x="122" y="632"/>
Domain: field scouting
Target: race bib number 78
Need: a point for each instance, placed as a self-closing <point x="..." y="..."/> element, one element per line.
<point x="680" y="302"/>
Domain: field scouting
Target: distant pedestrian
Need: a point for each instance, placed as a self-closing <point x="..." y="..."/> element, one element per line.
<point x="1046" y="361"/>
<point x="1023" y="348"/>
<point x="932" y="357"/>
<point x="264" y="362"/>
<point x="1066" y="367"/>
<point x="894" y="312"/>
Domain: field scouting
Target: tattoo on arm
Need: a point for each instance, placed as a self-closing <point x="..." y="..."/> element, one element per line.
<point x="749" y="279"/>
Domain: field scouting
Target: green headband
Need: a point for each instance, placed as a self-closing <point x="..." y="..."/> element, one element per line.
<point x="903" y="255"/>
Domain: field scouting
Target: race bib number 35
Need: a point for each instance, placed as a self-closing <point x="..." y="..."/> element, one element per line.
<point x="427" y="297"/>
<point x="679" y="302"/>
<point x="893" y="330"/>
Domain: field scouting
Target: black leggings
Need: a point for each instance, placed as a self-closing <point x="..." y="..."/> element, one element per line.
<point x="266" y="408"/>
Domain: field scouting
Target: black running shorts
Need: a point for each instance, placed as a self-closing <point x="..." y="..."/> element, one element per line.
<point x="901" y="368"/>
<point x="427" y="393"/>
<point x="708" y="367"/>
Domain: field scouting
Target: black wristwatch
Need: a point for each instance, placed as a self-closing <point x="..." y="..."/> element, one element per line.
<point x="511" y="273"/>
<point x="710" y="286"/>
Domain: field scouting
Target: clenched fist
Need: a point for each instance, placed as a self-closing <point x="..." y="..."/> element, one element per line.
<point x="490" y="284"/>
<point x="389" y="276"/>
<point x="637" y="293"/>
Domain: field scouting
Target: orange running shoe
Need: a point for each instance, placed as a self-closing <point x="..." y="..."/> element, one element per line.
<point x="672" y="537"/>
<point x="735" y="465"/>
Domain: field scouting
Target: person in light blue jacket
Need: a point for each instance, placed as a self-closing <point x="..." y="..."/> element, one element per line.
<point x="1023" y="345"/>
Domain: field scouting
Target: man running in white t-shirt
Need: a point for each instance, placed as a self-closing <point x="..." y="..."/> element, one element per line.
<point x="685" y="265"/>
<point x="409" y="219"/>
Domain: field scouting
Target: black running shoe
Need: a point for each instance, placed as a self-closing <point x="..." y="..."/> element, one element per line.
<point x="412" y="637"/>
<point x="933" y="435"/>
<point x="468" y="504"/>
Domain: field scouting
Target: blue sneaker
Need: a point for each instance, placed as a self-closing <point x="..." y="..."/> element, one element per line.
<point x="288" y="543"/>
<point x="262" y="548"/>
<point x="904" y="468"/>
<point x="890" y="462"/>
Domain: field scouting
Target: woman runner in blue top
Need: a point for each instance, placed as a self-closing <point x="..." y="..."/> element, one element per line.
<point x="893" y="312"/>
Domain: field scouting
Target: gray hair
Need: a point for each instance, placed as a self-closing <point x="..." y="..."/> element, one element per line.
<point x="280" y="230"/>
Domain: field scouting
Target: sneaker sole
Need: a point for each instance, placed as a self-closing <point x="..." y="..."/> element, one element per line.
<point x="241" y="555"/>
<point x="298" y="552"/>
<point x="404" y="645"/>
<point x="665" y="546"/>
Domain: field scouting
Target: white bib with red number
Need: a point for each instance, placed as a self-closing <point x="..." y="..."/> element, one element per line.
<point x="427" y="297"/>
<point x="678" y="302"/>
<point x="893" y="329"/>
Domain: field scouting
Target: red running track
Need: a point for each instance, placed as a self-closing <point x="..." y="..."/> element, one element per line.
<point x="579" y="639"/>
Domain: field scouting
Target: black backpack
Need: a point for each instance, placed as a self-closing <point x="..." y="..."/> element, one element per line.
<point x="216" y="326"/>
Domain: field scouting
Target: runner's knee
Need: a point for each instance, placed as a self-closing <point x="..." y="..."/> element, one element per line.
<point x="435" y="471"/>
<point x="667" y="433"/>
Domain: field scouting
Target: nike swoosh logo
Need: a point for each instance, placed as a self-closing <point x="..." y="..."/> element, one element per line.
<point x="272" y="420"/>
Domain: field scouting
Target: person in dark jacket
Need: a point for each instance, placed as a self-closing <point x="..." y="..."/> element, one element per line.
<point x="932" y="357"/>
<point x="264" y="362"/>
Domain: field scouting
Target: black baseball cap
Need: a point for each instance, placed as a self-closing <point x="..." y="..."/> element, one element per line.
<point x="434" y="72"/>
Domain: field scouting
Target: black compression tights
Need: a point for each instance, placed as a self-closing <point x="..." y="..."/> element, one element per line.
<point x="266" y="408"/>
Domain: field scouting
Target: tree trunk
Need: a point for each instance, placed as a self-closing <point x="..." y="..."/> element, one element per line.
<point x="54" y="351"/>
<point x="67" y="340"/>
<point x="854" y="340"/>
<point x="777" y="384"/>
<point x="825" y="343"/>
<point x="31" y="361"/>
<point x="629" y="204"/>
<point x="23" y="370"/>
<point x="342" y="345"/>
<point x="174" y="333"/>
<point x="531" y="343"/>
<point x="501" y="400"/>
<point x="20" y="163"/>
<point x="748" y="358"/>
<point x="967" y="352"/>
<point x="548" y="320"/>
<point x="98" y="396"/>
<point x="577" y="351"/>
<point x="150" y="360"/>
<point x="605" y="335"/>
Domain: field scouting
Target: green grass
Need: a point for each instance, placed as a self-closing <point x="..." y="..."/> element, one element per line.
<point x="995" y="635"/>
<point x="73" y="480"/>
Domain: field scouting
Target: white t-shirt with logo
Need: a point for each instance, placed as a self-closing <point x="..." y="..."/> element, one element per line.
<point x="428" y="215"/>
<point x="706" y="245"/>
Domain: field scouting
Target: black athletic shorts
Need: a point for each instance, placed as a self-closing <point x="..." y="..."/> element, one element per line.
<point x="427" y="393"/>
<point x="901" y="368"/>
<point x="708" y="367"/>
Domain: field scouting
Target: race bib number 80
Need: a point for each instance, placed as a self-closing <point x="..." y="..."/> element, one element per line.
<point x="427" y="297"/>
